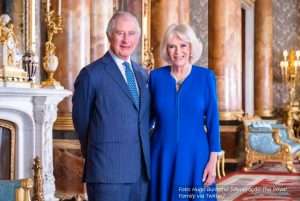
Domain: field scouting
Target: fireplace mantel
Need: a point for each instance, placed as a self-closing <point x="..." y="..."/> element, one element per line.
<point x="33" y="111"/>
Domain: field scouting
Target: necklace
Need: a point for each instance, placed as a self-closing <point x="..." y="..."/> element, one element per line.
<point x="180" y="81"/>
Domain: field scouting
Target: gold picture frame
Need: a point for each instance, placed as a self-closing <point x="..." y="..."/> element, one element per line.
<point x="12" y="128"/>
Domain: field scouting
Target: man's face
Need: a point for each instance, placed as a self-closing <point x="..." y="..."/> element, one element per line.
<point x="124" y="37"/>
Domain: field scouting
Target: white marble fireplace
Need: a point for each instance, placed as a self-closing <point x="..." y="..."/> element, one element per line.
<point x="33" y="111"/>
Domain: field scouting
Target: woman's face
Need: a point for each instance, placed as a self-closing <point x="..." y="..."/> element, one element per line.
<point x="178" y="51"/>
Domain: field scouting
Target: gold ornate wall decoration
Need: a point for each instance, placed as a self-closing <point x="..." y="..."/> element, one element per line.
<point x="54" y="26"/>
<point x="38" y="194"/>
<point x="147" y="55"/>
<point x="12" y="128"/>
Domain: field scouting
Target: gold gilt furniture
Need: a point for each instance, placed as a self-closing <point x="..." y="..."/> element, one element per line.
<point x="20" y="190"/>
<point x="269" y="141"/>
<point x="15" y="190"/>
<point x="221" y="164"/>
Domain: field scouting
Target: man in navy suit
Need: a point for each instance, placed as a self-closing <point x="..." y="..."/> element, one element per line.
<point x="111" y="110"/>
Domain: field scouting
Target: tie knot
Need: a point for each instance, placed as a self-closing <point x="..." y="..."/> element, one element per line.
<point x="126" y="64"/>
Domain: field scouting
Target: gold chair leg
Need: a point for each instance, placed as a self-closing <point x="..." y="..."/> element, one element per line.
<point x="223" y="164"/>
<point x="218" y="168"/>
<point x="248" y="166"/>
<point x="290" y="166"/>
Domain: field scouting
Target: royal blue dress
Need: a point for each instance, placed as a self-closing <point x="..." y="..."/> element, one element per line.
<point x="180" y="144"/>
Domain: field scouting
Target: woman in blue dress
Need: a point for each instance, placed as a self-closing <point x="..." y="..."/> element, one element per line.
<point x="186" y="139"/>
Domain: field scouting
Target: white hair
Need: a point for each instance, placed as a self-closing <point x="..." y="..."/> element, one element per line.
<point x="112" y="22"/>
<point x="185" y="33"/>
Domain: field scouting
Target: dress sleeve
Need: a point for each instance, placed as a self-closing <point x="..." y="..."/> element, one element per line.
<point x="212" y="115"/>
<point x="152" y="110"/>
<point x="82" y="105"/>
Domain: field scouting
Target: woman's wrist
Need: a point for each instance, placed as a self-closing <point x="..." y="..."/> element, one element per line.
<point x="213" y="156"/>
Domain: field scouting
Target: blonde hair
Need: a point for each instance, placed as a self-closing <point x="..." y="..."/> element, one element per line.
<point x="185" y="33"/>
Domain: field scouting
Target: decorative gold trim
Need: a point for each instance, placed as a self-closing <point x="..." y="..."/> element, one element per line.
<point x="231" y="115"/>
<point x="264" y="113"/>
<point x="38" y="193"/>
<point x="66" y="196"/>
<point x="11" y="126"/>
<point x="66" y="144"/>
<point x="232" y="160"/>
<point x="30" y="26"/>
<point x="64" y="123"/>
<point x="30" y="59"/>
<point x="147" y="55"/>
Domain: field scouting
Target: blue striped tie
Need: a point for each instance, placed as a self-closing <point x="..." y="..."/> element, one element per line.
<point x="131" y="83"/>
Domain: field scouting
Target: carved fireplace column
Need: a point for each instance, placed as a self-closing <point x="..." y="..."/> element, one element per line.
<point x="224" y="55"/>
<point x="73" y="47"/>
<point x="165" y="13"/>
<point x="263" y="74"/>
<point x="33" y="115"/>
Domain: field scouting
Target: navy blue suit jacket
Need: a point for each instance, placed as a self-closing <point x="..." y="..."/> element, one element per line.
<point x="113" y="132"/>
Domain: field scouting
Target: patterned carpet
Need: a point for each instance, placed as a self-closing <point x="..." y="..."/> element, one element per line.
<point x="259" y="187"/>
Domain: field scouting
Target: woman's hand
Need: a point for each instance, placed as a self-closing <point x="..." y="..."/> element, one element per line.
<point x="209" y="175"/>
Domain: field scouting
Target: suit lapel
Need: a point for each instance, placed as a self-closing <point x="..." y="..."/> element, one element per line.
<point x="113" y="70"/>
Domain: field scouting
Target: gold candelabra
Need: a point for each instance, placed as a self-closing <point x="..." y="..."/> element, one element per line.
<point x="54" y="26"/>
<point x="289" y="67"/>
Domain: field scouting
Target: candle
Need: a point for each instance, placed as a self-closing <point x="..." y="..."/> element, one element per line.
<point x="48" y="6"/>
<point x="282" y="64"/>
<point x="297" y="54"/>
<point x="59" y="8"/>
<point x="285" y="54"/>
<point x="286" y="64"/>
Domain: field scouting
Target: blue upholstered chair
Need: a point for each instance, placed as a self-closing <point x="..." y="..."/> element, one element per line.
<point x="268" y="140"/>
<point x="15" y="190"/>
